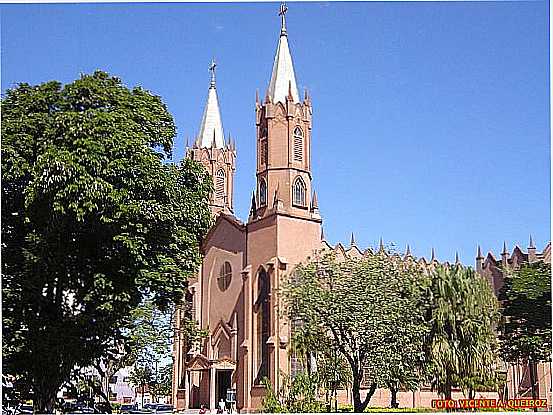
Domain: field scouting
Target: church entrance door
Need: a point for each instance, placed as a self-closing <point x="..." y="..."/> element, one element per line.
<point x="223" y="383"/>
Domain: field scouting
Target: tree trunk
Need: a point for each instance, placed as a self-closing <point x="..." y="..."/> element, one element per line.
<point x="358" y="404"/>
<point x="533" y="381"/>
<point x="393" y="402"/>
<point x="44" y="400"/>
<point x="447" y="392"/>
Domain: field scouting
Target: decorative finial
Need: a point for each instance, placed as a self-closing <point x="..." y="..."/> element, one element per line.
<point x="214" y="142"/>
<point x="479" y="253"/>
<point x="212" y="67"/>
<point x="352" y="240"/>
<point x="282" y="14"/>
<point x="290" y="97"/>
<point x="253" y="207"/>
<point x="531" y="246"/>
<point x="315" y="202"/>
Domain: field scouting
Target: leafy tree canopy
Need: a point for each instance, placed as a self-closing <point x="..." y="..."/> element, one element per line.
<point x="461" y="347"/>
<point x="370" y="307"/>
<point x="93" y="219"/>
<point x="526" y="295"/>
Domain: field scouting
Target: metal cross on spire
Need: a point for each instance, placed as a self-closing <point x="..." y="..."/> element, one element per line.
<point x="282" y="14"/>
<point x="212" y="67"/>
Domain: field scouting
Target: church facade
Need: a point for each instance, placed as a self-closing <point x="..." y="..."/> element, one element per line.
<point x="234" y="296"/>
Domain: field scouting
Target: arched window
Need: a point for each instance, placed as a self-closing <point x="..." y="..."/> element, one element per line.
<point x="225" y="275"/>
<point x="298" y="192"/>
<point x="262" y="305"/>
<point x="298" y="144"/>
<point x="262" y="192"/>
<point x="220" y="184"/>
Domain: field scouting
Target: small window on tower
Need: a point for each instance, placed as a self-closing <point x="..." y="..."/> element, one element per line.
<point x="220" y="184"/>
<point x="262" y="192"/>
<point x="298" y="192"/>
<point x="298" y="144"/>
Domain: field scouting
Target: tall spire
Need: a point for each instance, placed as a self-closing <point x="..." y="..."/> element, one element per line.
<point x="352" y="240"/>
<point x="283" y="80"/>
<point x="211" y="127"/>
<point x="531" y="244"/>
<point x="457" y="261"/>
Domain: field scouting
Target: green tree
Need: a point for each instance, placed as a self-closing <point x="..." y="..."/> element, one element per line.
<point x="360" y="304"/>
<point x="140" y="377"/>
<point x="313" y="345"/>
<point x="526" y="309"/>
<point x="93" y="221"/>
<point x="461" y="347"/>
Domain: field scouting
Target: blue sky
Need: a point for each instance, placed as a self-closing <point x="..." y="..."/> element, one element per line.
<point x="431" y="120"/>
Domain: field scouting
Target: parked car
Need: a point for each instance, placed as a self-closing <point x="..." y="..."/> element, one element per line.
<point x="128" y="408"/>
<point x="164" y="409"/>
<point x="24" y="409"/>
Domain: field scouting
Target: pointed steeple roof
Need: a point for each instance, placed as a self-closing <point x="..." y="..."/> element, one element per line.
<point x="479" y="253"/>
<point x="352" y="240"/>
<point x="211" y="127"/>
<point x="457" y="261"/>
<point x="381" y="246"/>
<point x="433" y="255"/>
<point x="531" y="245"/>
<point x="283" y="80"/>
<point x="408" y="251"/>
<point x="504" y="252"/>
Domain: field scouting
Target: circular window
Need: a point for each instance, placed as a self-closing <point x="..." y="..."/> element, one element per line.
<point x="225" y="275"/>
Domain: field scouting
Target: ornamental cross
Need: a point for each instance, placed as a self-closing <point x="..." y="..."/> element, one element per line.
<point x="283" y="9"/>
<point x="282" y="13"/>
<point x="212" y="67"/>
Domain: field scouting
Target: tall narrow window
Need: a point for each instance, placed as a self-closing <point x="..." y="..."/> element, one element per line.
<point x="263" y="325"/>
<point x="220" y="184"/>
<point x="298" y="144"/>
<point x="298" y="192"/>
<point x="262" y="192"/>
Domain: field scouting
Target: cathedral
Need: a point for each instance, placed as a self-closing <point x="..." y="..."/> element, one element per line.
<point x="234" y="296"/>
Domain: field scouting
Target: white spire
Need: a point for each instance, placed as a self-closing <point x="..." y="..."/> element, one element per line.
<point x="211" y="128"/>
<point x="283" y="78"/>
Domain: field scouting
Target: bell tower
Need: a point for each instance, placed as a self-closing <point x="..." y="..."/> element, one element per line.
<point x="217" y="155"/>
<point x="283" y="141"/>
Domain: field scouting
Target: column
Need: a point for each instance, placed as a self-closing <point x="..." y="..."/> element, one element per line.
<point x="212" y="389"/>
<point x="186" y="389"/>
